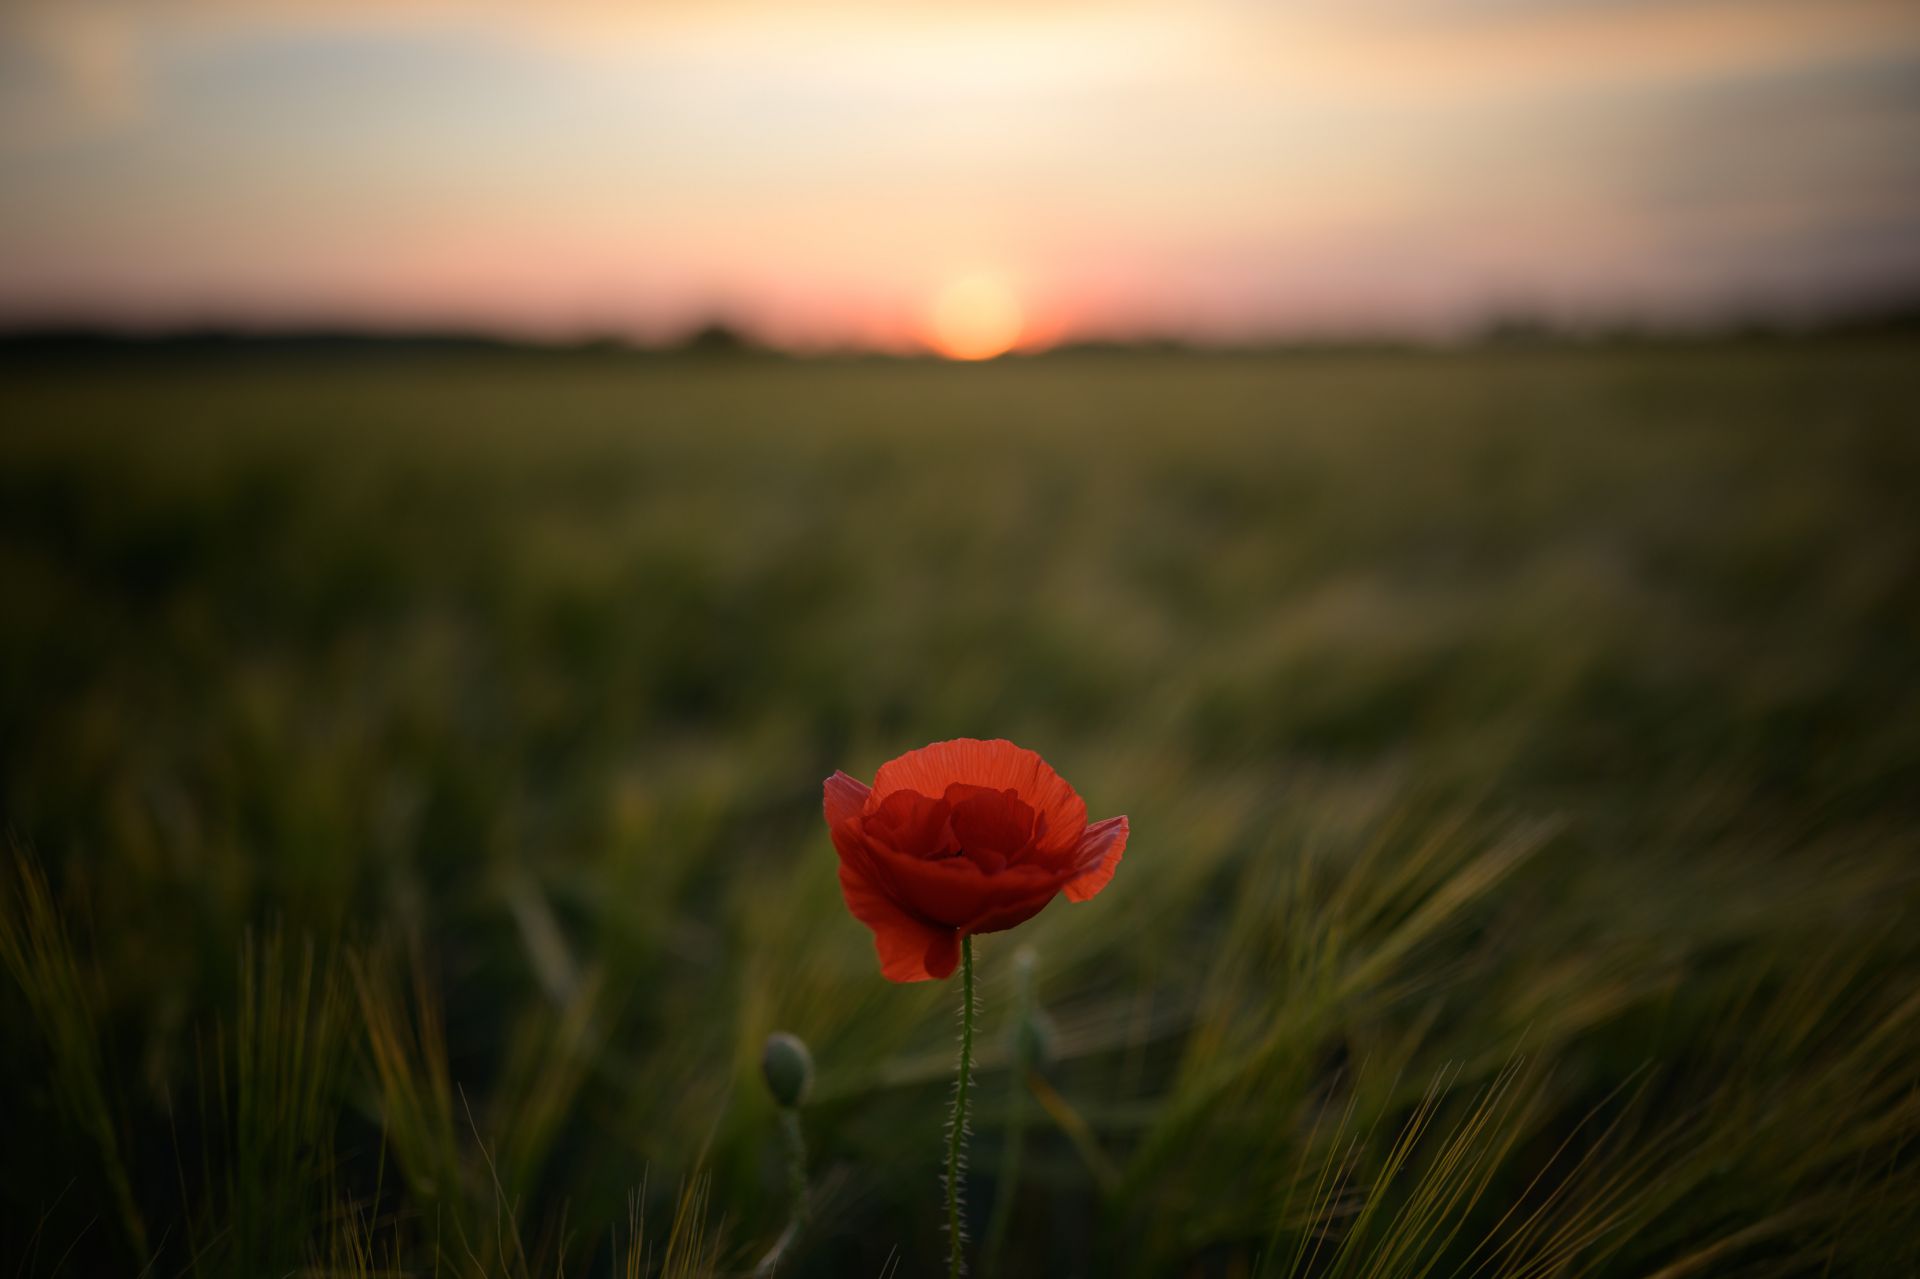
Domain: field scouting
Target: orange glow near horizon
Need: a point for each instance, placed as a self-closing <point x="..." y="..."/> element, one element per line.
<point x="965" y="179"/>
<point x="975" y="318"/>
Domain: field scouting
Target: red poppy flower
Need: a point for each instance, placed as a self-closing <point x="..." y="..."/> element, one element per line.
<point x="958" y="838"/>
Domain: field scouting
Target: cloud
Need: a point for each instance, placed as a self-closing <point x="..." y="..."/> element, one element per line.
<point x="1467" y="53"/>
<point x="74" y="73"/>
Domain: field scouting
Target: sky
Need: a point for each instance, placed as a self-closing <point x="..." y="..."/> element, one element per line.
<point x="907" y="174"/>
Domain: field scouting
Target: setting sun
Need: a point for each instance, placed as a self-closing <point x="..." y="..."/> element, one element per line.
<point x="975" y="318"/>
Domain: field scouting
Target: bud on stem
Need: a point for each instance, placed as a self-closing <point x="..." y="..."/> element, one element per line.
<point x="787" y="1067"/>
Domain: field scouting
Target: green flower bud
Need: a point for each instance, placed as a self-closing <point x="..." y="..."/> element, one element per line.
<point x="788" y="1068"/>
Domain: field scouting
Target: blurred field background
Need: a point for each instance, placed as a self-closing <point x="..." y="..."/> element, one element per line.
<point x="412" y="767"/>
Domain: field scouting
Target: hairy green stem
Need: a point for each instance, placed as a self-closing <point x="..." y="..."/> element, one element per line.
<point x="957" y="1129"/>
<point x="796" y="1145"/>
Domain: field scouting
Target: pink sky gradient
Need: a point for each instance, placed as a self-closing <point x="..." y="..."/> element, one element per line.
<point x="1212" y="168"/>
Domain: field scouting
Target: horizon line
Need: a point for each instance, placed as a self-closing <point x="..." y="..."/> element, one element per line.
<point x="723" y="337"/>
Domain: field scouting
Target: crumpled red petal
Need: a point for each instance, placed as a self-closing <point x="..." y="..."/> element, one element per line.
<point x="1099" y="850"/>
<point x="953" y="891"/>
<point x="845" y="798"/>
<point x="909" y="949"/>
<point x="996" y="765"/>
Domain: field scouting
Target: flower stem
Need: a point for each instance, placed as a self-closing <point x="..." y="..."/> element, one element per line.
<point x="796" y="1150"/>
<point x="796" y="1145"/>
<point x="957" y="1128"/>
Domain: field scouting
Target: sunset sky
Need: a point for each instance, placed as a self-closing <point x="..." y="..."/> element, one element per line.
<point x="842" y="173"/>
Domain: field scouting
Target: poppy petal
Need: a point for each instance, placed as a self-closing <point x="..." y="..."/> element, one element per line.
<point x="997" y="821"/>
<point x="909" y="949"/>
<point x="1099" y="850"/>
<point x="996" y="765"/>
<point x="943" y="954"/>
<point x="1012" y="911"/>
<point x="845" y="797"/>
<point x="953" y="891"/>
<point x="911" y="823"/>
